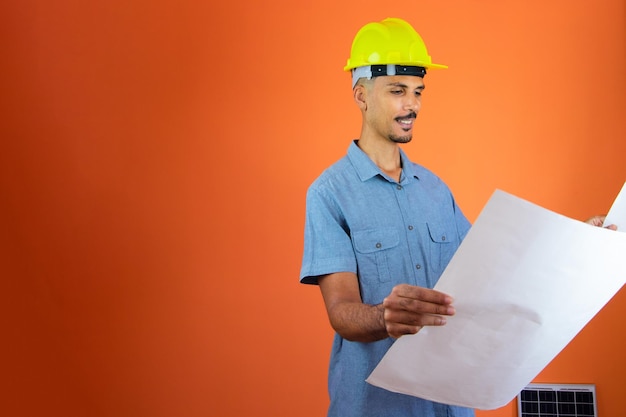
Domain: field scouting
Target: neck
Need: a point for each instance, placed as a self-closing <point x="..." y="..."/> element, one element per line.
<point x="386" y="155"/>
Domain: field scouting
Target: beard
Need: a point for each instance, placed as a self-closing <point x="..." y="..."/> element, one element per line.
<point x="404" y="138"/>
<point x="400" y="139"/>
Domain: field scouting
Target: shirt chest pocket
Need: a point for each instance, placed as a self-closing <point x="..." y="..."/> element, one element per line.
<point x="443" y="244"/>
<point x="373" y="249"/>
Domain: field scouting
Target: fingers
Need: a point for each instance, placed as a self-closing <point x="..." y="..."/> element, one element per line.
<point x="419" y="299"/>
<point x="409" y="308"/>
<point x="598" y="221"/>
<point x="595" y="220"/>
<point x="396" y="330"/>
<point x="417" y="306"/>
<point x="399" y="324"/>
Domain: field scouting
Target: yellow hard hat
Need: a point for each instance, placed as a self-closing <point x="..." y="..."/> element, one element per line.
<point x="392" y="41"/>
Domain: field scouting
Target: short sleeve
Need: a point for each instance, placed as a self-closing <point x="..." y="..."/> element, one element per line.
<point x="327" y="244"/>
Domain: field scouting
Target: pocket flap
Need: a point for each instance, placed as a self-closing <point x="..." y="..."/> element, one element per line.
<point x="369" y="241"/>
<point x="439" y="233"/>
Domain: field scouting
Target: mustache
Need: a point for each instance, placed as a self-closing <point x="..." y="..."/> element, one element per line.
<point x="411" y="115"/>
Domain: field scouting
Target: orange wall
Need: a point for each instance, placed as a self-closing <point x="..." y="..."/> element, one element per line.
<point x="154" y="161"/>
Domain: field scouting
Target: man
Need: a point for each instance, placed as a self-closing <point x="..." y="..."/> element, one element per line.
<point x="380" y="229"/>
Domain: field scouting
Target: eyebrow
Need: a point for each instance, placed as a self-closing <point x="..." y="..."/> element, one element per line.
<point x="398" y="84"/>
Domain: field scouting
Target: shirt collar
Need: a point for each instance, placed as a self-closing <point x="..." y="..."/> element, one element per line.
<point x="366" y="168"/>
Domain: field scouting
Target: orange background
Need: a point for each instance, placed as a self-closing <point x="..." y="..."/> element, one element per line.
<point x="155" y="157"/>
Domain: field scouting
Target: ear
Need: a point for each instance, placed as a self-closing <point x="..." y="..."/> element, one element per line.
<point x="359" y="93"/>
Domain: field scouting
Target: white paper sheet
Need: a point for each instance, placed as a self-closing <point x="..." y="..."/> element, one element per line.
<point x="617" y="214"/>
<point x="525" y="281"/>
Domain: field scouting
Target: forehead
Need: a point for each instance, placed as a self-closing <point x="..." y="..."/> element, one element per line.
<point x="408" y="81"/>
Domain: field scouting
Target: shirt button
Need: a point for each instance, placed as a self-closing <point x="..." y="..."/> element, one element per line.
<point x="399" y="187"/>
<point x="418" y="266"/>
<point x="443" y="238"/>
<point x="410" y="227"/>
<point x="379" y="245"/>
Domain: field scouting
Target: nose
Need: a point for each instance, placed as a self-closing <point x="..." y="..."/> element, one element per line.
<point x="413" y="102"/>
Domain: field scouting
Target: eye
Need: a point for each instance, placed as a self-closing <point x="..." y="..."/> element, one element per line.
<point x="397" y="92"/>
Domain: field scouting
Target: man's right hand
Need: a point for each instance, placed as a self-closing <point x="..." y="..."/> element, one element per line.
<point x="409" y="308"/>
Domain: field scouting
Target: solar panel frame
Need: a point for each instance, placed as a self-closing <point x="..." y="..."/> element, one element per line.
<point x="557" y="400"/>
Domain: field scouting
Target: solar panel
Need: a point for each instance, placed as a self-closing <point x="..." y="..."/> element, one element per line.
<point x="557" y="400"/>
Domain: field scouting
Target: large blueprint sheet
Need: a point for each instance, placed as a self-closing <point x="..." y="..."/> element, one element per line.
<point x="525" y="281"/>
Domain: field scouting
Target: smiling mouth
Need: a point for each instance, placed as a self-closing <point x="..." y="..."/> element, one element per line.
<point x="406" y="121"/>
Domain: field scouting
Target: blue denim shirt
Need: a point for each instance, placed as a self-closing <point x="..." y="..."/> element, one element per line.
<point x="387" y="232"/>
